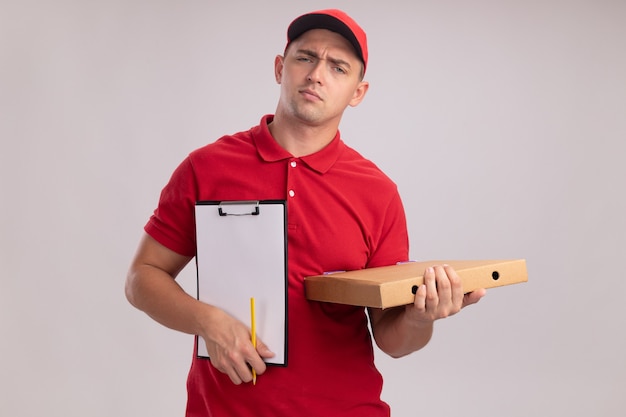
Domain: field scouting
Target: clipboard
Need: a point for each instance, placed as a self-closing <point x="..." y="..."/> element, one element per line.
<point x="242" y="253"/>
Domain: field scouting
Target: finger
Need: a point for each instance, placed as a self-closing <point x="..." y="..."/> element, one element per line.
<point x="233" y="375"/>
<point x="231" y="365"/>
<point x="420" y="299"/>
<point x="456" y="288"/>
<point x="230" y="371"/>
<point x="432" y="298"/>
<point x="255" y="361"/>
<point x="444" y="291"/>
<point x="244" y="370"/>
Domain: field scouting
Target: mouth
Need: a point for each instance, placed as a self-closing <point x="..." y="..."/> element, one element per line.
<point x="310" y="94"/>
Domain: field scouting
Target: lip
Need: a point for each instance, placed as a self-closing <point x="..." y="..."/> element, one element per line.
<point x="310" y="94"/>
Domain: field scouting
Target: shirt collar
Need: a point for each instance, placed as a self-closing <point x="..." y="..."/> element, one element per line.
<point x="270" y="151"/>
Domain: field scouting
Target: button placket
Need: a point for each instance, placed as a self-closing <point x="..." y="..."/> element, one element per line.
<point x="291" y="191"/>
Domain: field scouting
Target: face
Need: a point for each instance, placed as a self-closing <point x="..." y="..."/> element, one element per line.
<point x="320" y="75"/>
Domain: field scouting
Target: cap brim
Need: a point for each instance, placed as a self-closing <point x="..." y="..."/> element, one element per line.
<point x="323" y="21"/>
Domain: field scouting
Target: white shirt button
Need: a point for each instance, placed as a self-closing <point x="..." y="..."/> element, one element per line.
<point x="292" y="193"/>
<point x="293" y="164"/>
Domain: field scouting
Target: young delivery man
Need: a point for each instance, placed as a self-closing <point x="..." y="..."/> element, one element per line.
<point x="343" y="214"/>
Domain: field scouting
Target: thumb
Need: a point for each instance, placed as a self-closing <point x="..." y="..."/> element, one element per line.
<point x="263" y="350"/>
<point x="473" y="297"/>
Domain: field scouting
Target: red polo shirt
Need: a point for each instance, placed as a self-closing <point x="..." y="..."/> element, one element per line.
<point x="343" y="213"/>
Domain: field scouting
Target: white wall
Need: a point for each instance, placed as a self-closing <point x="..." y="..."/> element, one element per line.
<point x="503" y="123"/>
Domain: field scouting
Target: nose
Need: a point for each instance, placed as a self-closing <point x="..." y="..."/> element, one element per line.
<point x="315" y="75"/>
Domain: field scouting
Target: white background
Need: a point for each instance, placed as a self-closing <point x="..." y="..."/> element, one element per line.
<point x="502" y="122"/>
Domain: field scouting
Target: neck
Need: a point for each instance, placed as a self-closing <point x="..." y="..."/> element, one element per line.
<point x="300" y="139"/>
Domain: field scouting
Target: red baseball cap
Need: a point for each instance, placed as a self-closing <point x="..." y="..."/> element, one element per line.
<point x="335" y="21"/>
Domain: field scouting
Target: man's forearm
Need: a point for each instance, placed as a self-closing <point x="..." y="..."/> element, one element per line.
<point x="397" y="336"/>
<point x="157" y="294"/>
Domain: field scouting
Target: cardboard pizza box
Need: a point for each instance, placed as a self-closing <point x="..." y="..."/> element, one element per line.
<point x="395" y="285"/>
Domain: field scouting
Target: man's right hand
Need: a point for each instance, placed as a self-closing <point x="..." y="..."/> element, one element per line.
<point x="229" y="344"/>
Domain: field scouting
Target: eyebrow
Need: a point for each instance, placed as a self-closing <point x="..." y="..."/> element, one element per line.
<point x="314" y="54"/>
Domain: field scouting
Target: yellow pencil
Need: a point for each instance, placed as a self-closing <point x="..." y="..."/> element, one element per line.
<point x="253" y="331"/>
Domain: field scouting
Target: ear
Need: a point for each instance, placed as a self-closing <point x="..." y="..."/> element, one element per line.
<point x="279" y="63"/>
<point x="359" y="93"/>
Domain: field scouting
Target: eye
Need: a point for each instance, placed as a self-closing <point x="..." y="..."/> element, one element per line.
<point x="339" y="70"/>
<point x="303" y="59"/>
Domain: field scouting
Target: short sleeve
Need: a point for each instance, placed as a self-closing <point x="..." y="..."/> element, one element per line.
<point x="173" y="222"/>
<point x="393" y="244"/>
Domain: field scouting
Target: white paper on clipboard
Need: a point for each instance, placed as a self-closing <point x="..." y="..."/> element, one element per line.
<point x="242" y="253"/>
